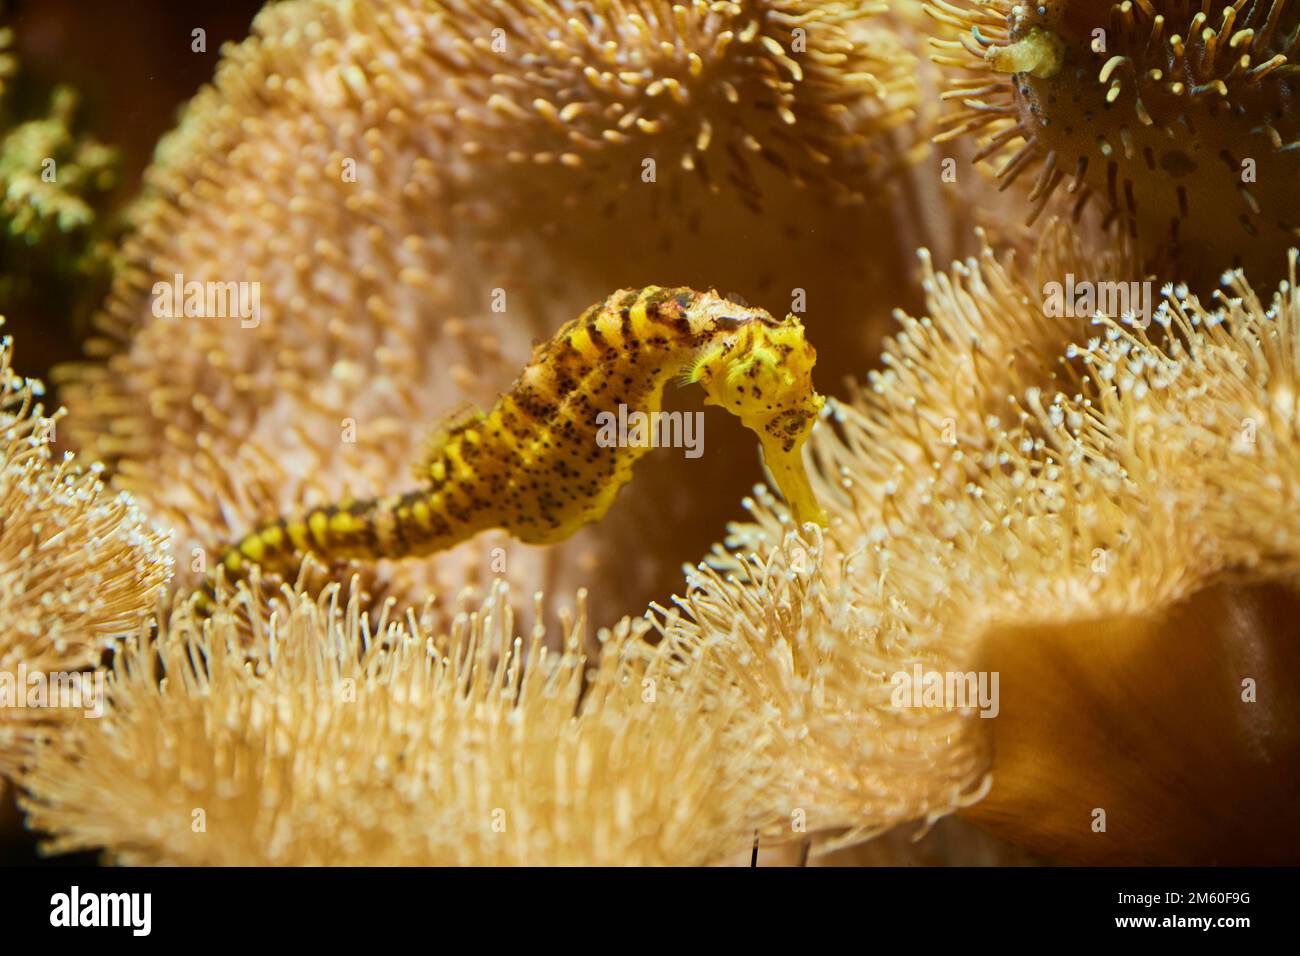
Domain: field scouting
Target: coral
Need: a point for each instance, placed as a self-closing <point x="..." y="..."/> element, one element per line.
<point x="1129" y="484"/>
<point x="1178" y="116"/>
<point x="372" y="741"/>
<point x="46" y="173"/>
<point x="1142" y="490"/>
<point x="940" y="198"/>
<point x="78" y="567"/>
<point x="55" y="258"/>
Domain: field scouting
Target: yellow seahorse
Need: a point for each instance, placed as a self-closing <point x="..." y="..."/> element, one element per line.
<point x="533" y="465"/>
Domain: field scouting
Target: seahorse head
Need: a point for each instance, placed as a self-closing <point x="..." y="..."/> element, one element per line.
<point x="762" y="373"/>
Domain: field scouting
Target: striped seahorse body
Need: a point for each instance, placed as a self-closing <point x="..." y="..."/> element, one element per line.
<point x="533" y="465"/>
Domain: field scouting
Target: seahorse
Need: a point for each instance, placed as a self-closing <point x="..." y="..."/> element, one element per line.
<point x="533" y="465"/>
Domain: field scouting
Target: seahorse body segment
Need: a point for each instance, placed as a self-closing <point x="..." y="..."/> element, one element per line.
<point x="533" y="465"/>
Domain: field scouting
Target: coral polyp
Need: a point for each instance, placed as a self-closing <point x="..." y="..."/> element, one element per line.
<point x="1178" y="116"/>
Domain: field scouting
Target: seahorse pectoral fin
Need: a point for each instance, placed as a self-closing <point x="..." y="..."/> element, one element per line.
<point x="791" y="477"/>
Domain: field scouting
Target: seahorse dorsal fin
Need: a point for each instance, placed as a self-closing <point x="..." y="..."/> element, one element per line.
<point x="462" y="416"/>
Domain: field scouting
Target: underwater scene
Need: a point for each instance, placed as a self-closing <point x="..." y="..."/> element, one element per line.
<point x="644" y="433"/>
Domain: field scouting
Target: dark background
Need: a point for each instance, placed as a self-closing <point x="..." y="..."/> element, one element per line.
<point x="132" y="66"/>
